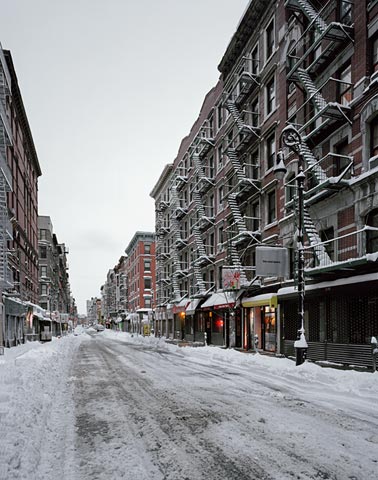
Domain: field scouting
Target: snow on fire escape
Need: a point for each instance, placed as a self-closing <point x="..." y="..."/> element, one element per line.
<point x="176" y="236"/>
<point x="318" y="45"/>
<point x="327" y="103"/>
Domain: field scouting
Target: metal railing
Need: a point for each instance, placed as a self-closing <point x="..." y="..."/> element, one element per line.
<point x="345" y="249"/>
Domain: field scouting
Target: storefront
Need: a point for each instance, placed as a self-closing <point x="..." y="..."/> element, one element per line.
<point x="179" y="318"/>
<point x="260" y="326"/>
<point x="340" y="318"/>
<point x="219" y="317"/>
<point x="194" y="321"/>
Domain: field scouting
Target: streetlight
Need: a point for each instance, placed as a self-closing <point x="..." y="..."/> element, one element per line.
<point x="291" y="138"/>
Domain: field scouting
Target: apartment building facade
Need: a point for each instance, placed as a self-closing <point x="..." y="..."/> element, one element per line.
<point x="140" y="271"/>
<point x="289" y="63"/>
<point x="54" y="286"/>
<point x="22" y="198"/>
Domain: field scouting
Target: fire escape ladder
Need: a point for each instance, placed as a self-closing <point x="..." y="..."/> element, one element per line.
<point x="199" y="282"/>
<point x="315" y="240"/>
<point x="235" y="114"/>
<point x="199" y="204"/>
<point x="312" y="15"/>
<point x="312" y="163"/>
<point x="199" y="166"/>
<point x="3" y="235"/>
<point x="311" y="89"/>
<point x="199" y="242"/>
<point x="235" y="260"/>
<point x="236" y="164"/>
<point x="238" y="217"/>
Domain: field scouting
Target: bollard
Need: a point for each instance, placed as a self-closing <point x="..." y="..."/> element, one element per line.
<point x="205" y="338"/>
<point x="374" y="352"/>
<point x="300" y="349"/>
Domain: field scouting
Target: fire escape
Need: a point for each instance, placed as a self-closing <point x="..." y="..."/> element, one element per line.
<point x="204" y="174"/>
<point x="5" y="176"/>
<point x="178" y="242"/>
<point x="243" y="133"/>
<point x="162" y="254"/>
<point x="326" y="33"/>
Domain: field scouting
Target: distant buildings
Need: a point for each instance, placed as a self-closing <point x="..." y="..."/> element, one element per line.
<point x="53" y="270"/>
<point x="128" y="293"/>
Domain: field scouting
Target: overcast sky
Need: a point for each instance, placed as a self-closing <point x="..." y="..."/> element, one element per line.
<point x="110" y="89"/>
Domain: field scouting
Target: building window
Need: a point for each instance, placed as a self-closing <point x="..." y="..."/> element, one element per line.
<point x="270" y="96"/>
<point x="147" y="265"/>
<point x="290" y="188"/>
<point x="374" y="54"/>
<point x="255" y="214"/>
<point x="269" y="39"/>
<point x="271" y="150"/>
<point x="147" y="302"/>
<point x="43" y="289"/>
<point x="255" y="60"/>
<point x="272" y="215"/>
<point x="219" y="116"/>
<point x="345" y="12"/>
<point x="147" y="283"/>
<point x="255" y="113"/>
<point x="340" y="160"/>
<point x="220" y="198"/>
<point x="374" y="137"/>
<point x="372" y="235"/>
<point x="43" y="234"/>
<point x="220" y="157"/>
<point x="43" y="271"/>
<point x="147" y="248"/>
<point x="345" y="86"/>
<point x="43" y="251"/>
<point x="220" y="239"/>
<point x="325" y="236"/>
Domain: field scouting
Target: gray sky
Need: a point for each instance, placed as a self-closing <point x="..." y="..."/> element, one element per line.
<point x="110" y="89"/>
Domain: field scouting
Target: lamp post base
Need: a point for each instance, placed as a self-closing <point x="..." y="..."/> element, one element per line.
<point x="300" y="355"/>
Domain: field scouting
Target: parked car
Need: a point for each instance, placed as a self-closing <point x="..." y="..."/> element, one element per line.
<point x="99" y="327"/>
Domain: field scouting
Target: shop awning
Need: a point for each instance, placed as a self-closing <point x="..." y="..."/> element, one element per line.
<point x="191" y="308"/>
<point x="181" y="306"/>
<point x="264" y="300"/>
<point x="219" y="300"/>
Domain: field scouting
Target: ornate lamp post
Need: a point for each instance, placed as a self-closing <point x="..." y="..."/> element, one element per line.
<point x="291" y="139"/>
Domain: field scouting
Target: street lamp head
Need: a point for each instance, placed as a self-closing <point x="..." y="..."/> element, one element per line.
<point x="291" y="138"/>
<point x="280" y="169"/>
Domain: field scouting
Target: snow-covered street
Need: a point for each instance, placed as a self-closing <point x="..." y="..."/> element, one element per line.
<point x="110" y="406"/>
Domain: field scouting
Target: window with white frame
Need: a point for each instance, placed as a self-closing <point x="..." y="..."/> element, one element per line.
<point x="271" y="207"/>
<point x="220" y="197"/>
<point x="270" y="95"/>
<point x="269" y="40"/>
<point x="271" y="150"/>
<point x="255" y="60"/>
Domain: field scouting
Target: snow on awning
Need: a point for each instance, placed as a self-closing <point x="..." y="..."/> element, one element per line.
<point x="219" y="300"/>
<point x="191" y="308"/>
<point x="181" y="306"/>
<point x="370" y="277"/>
<point x="264" y="300"/>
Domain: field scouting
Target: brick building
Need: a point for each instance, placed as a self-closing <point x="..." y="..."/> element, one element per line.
<point x="140" y="276"/>
<point x="22" y="200"/>
<point x="314" y="68"/>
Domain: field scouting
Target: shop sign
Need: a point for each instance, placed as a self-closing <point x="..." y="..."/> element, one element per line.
<point x="272" y="262"/>
<point x="230" y="278"/>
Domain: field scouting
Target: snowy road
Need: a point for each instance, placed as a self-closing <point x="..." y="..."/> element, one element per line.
<point x="150" y="413"/>
<point x="114" y="407"/>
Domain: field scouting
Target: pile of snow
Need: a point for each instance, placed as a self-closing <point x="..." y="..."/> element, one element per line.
<point x="360" y="383"/>
<point x="34" y="389"/>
